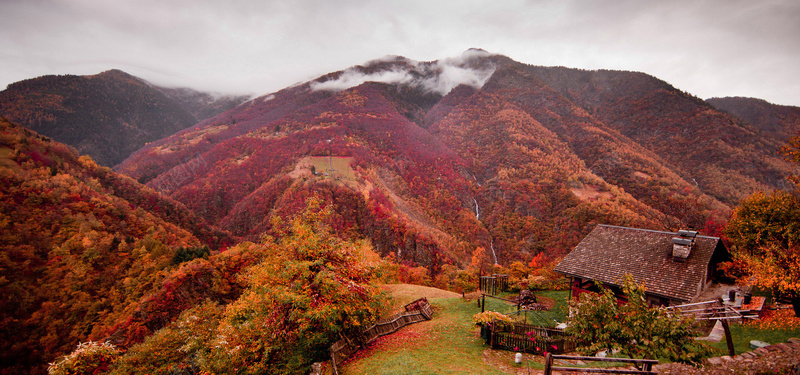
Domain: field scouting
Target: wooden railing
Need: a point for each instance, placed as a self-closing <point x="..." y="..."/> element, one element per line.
<point x="647" y="365"/>
<point x="416" y="311"/>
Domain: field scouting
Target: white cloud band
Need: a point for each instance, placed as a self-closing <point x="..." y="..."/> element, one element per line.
<point x="439" y="77"/>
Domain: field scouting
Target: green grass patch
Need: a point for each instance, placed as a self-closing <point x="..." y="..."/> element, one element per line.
<point x="335" y="167"/>
<point x="448" y="344"/>
<point x="550" y="318"/>
<point x="743" y="333"/>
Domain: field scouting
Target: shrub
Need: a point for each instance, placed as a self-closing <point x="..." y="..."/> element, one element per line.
<point x="88" y="358"/>
<point x="185" y="254"/>
<point x="637" y="330"/>
<point x="491" y="316"/>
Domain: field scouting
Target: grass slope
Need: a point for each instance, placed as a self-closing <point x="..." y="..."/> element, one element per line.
<point x="448" y="344"/>
<point x="773" y="328"/>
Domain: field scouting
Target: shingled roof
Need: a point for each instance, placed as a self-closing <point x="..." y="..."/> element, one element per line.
<point x="610" y="252"/>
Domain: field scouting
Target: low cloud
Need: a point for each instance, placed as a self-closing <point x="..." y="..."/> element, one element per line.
<point x="438" y="77"/>
<point x="351" y="78"/>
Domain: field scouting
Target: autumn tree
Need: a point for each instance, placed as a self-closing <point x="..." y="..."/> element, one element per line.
<point x="182" y="347"/>
<point x="765" y="233"/>
<point x="307" y="292"/>
<point x="480" y="259"/>
<point x="88" y="359"/>
<point x="792" y="154"/>
<point x="634" y="328"/>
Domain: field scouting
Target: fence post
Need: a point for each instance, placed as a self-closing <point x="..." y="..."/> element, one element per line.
<point x="491" y="335"/>
<point x="333" y="361"/>
<point x="548" y="363"/>
<point x="483" y="302"/>
<point x="728" y="338"/>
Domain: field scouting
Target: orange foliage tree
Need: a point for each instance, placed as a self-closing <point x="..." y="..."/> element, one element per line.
<point x="310" y="290"/>
<point x="766" y="237"/>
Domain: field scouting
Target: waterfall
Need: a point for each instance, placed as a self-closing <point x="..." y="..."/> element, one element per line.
<point x="477" y="209"/>
<point x="491" y="246"/>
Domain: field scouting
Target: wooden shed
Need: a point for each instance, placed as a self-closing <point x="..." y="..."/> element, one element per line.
<point x="675" y="267"/>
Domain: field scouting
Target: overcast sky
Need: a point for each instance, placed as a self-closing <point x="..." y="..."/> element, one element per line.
<point x="708" y="48"/>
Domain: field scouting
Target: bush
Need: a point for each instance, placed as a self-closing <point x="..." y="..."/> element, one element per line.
<point x="634" y="328"/>
<point x="492" y="316"/>
<point x="185" y="254"/>
<point x="88" y="358"/>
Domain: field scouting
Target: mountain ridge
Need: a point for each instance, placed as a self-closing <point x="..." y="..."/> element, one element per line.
<point x="107" y="115"/>
<point x="565" y="131"/>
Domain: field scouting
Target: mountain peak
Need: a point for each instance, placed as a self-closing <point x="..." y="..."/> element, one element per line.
<point x="117" y="75"/>
<point x="438" y="77"/>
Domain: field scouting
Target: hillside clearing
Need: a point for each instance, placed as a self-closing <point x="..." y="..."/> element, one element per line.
<point x="448" y="344"/>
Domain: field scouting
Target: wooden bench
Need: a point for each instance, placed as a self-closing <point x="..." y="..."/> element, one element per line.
<point x="647" y="365"/>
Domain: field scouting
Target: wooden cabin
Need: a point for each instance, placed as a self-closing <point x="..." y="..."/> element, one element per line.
<point x="674" y="267"/>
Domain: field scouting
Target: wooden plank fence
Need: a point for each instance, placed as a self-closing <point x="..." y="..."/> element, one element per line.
<point x="647" y="365"/>
<point x="493" y="284"/>
<point x="527" y="338"/>
<point x="416" y="311"/>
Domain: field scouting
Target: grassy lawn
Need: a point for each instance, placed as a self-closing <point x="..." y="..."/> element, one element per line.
<point x="558" y="314"/>
<point x="340" y="165"/>
<point x="449" y="344"/>
<point x="787" y="327"/>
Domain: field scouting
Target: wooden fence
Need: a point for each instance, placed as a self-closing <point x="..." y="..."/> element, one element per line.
<point x="646" y="365"/>
<point x="527" y="338"/>
<point x="493" y="284"/>
<point x="416" y="311"/>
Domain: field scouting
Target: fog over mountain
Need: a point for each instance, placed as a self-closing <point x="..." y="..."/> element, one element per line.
<point x="712" y="48"/>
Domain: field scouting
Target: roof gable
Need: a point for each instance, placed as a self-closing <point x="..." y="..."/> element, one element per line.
<point x="609" y="252"/>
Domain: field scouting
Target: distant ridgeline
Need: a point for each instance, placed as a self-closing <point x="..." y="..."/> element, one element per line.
<point x="109" y="115"/>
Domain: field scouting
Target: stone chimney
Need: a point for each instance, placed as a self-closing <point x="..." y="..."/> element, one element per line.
<point x="682" y="245"/>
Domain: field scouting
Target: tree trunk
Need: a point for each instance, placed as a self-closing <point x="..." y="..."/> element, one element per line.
<point x="796" y="305"/>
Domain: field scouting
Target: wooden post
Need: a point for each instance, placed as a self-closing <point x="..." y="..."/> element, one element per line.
<point x="333" y="362"/>
<point x="548" y="363"/>
<point x="483" y="302"/>
<point x="728" y="337"/>
<point x="491" y="335"/>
